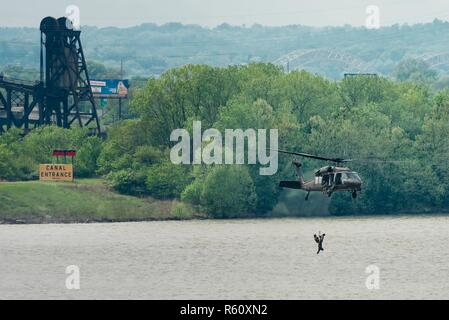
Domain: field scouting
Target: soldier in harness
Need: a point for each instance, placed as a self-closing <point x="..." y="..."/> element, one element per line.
<point x="319" y="239"/>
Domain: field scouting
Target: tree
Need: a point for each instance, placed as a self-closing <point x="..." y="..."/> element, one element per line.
<point x="99" y="71"/>
<point x="414" y="70"/>
<point x="229" y="192"/>
<point x="306" y="94"/>
<point x="127" y="181"/>
<point x="166" y="180"/>
<point x="192" y="92"/>
<point x="7" y="163"/>
<point x="240" y="114"/>
<point x="124" y="140"/>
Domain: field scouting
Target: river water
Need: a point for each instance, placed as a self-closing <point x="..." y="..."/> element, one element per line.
<point x="238" y="259"/>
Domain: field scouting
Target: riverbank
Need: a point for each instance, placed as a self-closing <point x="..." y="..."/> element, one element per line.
<point x="90" y="200"/>
<point x="82" y="201"/>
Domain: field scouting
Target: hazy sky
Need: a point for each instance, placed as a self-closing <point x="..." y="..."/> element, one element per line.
<point x="213" y="12"/>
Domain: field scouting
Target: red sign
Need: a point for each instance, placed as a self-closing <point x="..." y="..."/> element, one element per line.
<point x="64" y="153"/>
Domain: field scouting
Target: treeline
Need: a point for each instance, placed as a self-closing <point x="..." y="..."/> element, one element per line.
<point x="358" y="117"/>
<point x="150" y="49"/>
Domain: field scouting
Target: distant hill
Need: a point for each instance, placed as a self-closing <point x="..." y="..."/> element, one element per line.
<point x="150" y="49"/>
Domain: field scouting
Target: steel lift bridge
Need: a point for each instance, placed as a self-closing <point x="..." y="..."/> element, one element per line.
<point x="63" y="95"/>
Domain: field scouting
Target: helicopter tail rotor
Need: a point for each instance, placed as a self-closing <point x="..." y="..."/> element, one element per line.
<point x="299" y="175"/>
<point x="299" y="183"/>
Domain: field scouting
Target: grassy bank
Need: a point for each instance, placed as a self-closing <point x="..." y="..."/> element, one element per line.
<point x="86" y="200"/>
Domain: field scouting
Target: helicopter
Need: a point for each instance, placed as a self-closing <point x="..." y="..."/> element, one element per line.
<point x="328" y="179"/>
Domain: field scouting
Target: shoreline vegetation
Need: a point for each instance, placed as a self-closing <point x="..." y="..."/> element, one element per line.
<point x="402" y="123"/>
<point x="91" y="201"/>
<point x="82" y="201"/>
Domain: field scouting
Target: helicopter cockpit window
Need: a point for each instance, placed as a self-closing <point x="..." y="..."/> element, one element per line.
<point x="351" y="176"/>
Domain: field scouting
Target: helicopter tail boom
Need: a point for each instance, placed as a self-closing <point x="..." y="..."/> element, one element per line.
<point x="290" y="184"/>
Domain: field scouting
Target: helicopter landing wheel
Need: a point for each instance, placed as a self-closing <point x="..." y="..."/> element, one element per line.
<point x="354" y="195"/>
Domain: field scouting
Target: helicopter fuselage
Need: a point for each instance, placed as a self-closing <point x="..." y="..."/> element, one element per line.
<point x="328" y="180"/>
<point x="333" y="179"/>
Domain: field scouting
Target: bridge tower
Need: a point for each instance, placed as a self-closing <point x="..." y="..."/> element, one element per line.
<point x="68" y="96"/>
<point x="63" y="96"/>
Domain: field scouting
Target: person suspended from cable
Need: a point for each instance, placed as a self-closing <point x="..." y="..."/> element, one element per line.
<point x="319" y="240"/>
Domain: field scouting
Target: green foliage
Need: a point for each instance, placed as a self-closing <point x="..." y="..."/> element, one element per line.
<point x="37" y="147"/>
<point x="134" y="164"/>
<point x="16" y="165"/>
<point x="239" y="114"/>
<point x="7" y="163"/>
<point x="358" y="117"/>
<point x="127" y="181"/>
<point x="414" y="70"/>
<point x="86" y="158"/>
<point x="182" y="94"/>
<point x="305" y="94"/>
<point x="166" y="180"/>
<point x="182" y="210"/>
<point x="229" y="192"/>
<point x="40" y="143"/>
<point x="99" y="71"/>
<point x="85" y="200"/>
<point x="192" y="193"/>
<point x="124" y="140"/>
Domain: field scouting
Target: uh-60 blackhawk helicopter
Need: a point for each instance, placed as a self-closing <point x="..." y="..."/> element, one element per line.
<point x="328" y="179"/>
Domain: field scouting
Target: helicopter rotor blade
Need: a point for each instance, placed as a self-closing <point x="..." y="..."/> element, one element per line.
<point x="307" y="155"/>
<point x="341" y="160"/>
<point x="380" y="161"/>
